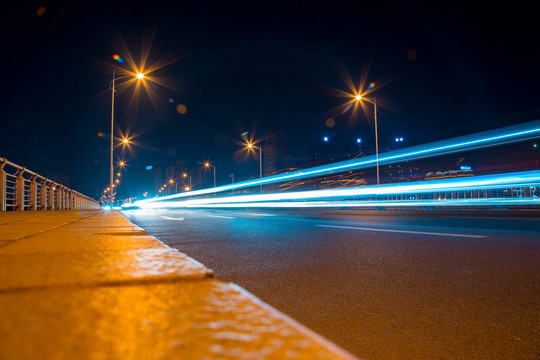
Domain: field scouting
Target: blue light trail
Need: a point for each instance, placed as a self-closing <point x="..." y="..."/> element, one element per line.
<point x="371" y="195"/>
<point x="511" y="134"/>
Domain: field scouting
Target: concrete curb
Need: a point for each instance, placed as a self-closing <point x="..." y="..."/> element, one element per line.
<point x="93" y="285"/>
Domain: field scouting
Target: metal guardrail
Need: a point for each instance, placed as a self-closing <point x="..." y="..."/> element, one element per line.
<point x="22" y="189"/>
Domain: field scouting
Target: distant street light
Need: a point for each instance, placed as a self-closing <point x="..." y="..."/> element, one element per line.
<point x="253" y="147"/>
<point x="208" y="165"/>
<point x="171" y="181"/>
<point x="358" y="97"/>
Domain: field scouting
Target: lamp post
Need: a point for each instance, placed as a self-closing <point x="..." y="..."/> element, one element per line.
<point x="175" y="185"/>
<point x="359" y="98"/>
<point x="187" y="176"/>
<point x="251" y="146"/>
<point x="139" y="76"/>
<point x="207" y="165"/>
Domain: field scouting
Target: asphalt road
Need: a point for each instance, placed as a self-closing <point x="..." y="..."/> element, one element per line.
<point x="383" y="285"/>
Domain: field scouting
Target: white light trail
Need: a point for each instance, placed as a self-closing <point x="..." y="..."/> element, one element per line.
<point x="358" y="196"/>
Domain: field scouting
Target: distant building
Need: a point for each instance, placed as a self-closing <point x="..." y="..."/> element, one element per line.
<point x="272" y="152"/>
<point x="461" y="172"/>
<point x="400" y="173"/>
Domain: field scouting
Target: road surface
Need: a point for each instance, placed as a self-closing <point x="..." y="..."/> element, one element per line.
<point x="383" y="285"/>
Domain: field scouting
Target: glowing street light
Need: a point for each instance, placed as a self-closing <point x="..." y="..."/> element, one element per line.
<point x="140" y="76"/>
<point x="208" y="165"/>
<point x="359" y="97"/>
<point x="171" y="181"/>
<point x="253" y="147"/>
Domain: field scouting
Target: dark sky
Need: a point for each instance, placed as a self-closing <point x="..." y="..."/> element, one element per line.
<point x="440" y="71"/>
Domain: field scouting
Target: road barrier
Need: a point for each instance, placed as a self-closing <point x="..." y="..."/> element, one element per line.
<point x="22" y="189"/>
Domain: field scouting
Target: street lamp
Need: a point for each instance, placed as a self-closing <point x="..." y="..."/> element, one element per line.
<point x="187" y="176"/>
<point x="171" y="181"/>
<point x="139" y="76"/>
<point x="358" y="97"/>
<point x="253" y="147"/>
<point x="208" y="165"/>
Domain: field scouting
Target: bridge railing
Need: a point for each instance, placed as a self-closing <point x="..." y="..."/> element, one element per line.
<point x="22" y="189"/>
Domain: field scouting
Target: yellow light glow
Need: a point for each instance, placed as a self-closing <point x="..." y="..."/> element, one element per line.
<point x="358" y="97"/>
<point x="122" y="163"/>
<point x="207" y="164"/>
<point x="171" y="181"/>
<point x="250" y="145"/>
<point x="125" y="141"/>
<point x="185" y="175"/>
<point x="140" y="76"/>
<point x="187" y="188"/>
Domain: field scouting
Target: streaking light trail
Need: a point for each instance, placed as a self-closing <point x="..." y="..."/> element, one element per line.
<point x="373" y="195"/>
<point x="511" y="134"/>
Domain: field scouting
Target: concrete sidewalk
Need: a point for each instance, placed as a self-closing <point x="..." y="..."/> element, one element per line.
<point x="91" y="285"/>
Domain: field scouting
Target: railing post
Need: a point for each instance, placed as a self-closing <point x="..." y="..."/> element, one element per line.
<point x="19" y="192"/>
<point x="51" y="197"/>
<point x="58" y="199"/>
<point x="64" y="196"/>
<point x="33" y="194"/>
<point x="43" y="196"/>
<point x="2" y="189"/>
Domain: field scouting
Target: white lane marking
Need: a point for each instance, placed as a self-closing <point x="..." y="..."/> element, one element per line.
<point x="404" y="231"/>
<point x="219" y="216"/>
<point x="172" y="218"/>
<point x="255" y="214"/>
<point x="489" y="218"/>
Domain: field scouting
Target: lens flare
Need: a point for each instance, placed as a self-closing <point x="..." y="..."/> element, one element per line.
<point x="371" y="85"/>
<point x="330" y="122"/>
<point x="182" y="109"/>
<point x="118" y="58"/>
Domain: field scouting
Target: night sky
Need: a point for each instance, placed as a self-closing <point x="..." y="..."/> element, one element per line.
<point x="439" y="71"/>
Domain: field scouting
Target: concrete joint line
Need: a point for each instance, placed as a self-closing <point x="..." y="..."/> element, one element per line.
<point x="47" y="230"/>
